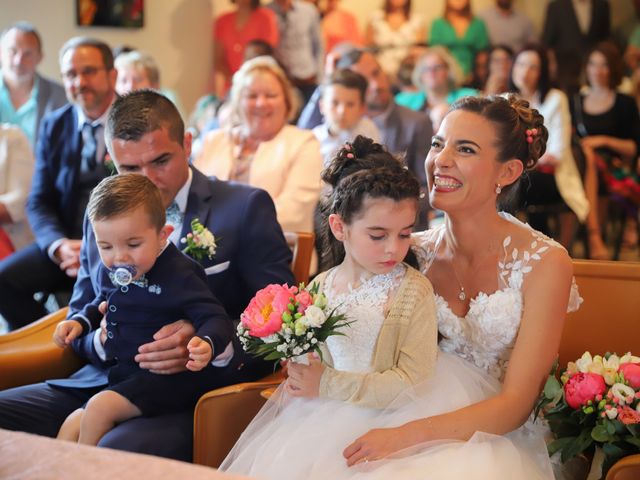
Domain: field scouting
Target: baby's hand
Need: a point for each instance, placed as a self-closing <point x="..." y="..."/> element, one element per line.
<point x="66" y="332"/>
<point x="199" y="354"/>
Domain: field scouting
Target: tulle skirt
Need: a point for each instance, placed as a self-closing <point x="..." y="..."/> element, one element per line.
<point x="293" y="438"/>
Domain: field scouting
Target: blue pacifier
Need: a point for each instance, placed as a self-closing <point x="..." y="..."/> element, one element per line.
<point x="123" y="274"/>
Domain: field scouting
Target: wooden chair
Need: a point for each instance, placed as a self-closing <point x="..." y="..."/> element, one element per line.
<point x="609" y="318"/>
<point x="302" y="245"/>
<point x="28" y="355"/>
<point x="607" y="321"/>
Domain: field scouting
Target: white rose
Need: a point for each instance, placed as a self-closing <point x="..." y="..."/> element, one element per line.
<point x="612" y="413"/>
<point x="623" y="393"/>
<point x="314" y="316"/>
<point x="270" y="338"/>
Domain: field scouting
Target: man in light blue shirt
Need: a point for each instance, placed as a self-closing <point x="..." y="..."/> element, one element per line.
<point x="300" y="47"/>
<point x="25" y="96"/>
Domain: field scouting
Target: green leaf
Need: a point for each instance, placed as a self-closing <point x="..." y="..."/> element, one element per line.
<point x="552" y="387"/>
<point x="582" y="442"/>
<point x="635" y="441"/>
<point x="600" y="433"/>
<point x="559" y="444"/>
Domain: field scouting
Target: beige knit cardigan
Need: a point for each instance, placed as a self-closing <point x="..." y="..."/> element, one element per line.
<point x="405" y="351"/>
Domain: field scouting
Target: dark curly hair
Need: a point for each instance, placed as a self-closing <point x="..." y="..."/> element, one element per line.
<point x="362" y="169"/>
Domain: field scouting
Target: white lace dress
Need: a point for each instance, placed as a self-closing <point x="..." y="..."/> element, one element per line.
<point x="306" y="442"/>
<point x="304" y="438"/>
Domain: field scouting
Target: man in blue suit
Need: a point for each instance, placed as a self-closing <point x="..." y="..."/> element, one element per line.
<point x="145" y="134"/>
<point x="69" y="163"/>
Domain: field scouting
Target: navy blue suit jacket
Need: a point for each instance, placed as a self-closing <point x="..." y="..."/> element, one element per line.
<point x="251" y="253"/>
<point x="175" y="288"/>
<point x="52" y="208"/>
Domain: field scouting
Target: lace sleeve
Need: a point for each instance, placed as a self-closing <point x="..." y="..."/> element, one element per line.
<point x="425" y="245"/>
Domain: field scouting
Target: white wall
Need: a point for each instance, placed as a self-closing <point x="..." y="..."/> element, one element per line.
<point x="177" y="33"/>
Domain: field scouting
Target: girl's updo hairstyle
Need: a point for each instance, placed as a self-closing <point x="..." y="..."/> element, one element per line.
<point x="520" y="130"/>
<point x="359" y="170"/>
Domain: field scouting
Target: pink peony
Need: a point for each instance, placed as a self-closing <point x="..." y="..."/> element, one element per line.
<point x="263" y="316"/>
<point x="628" y="415"/>
<point x="631" y="373"/>
<point x="583" y="387"/>
<point x="304" y="300"/>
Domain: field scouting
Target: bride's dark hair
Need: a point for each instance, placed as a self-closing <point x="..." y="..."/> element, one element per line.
<point x="359" y="170"/>
<point x="515" y="123"/>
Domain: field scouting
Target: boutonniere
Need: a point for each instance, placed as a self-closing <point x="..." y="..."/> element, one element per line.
<point x="109" y="165"/>
<point x="200" y="242"/>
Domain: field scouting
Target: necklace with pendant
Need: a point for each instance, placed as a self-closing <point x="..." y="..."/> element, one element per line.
<point x="462" y="296"/>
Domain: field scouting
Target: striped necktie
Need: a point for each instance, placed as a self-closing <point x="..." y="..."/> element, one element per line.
<point x="89" y="145"/>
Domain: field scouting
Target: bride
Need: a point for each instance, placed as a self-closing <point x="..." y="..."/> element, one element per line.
<point x="502" y="292"/>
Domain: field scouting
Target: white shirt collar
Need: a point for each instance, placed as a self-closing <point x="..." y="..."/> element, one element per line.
<point x="183" y="194"/>
<point x="82" y="118"/>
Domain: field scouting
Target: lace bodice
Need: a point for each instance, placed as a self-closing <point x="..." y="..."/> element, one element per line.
<point x="486" y="335"/>
<point x="365" y="304"/>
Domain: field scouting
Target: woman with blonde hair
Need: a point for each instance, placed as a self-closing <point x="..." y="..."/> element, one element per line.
<point x="261" y="149"/>
<point x="439" y="78"/>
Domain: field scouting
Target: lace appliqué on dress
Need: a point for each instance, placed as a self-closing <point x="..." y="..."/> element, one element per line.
<point x="486" y="335"/>
<point x="353" y="351"/>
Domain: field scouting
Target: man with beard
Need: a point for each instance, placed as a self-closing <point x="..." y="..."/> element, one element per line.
<point x="70" y="155"/>
<point x="404" y="132"/>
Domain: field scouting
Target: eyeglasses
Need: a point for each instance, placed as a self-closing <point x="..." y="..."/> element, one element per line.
<point x="87" y="72"/>
<point x="434" y="68"/>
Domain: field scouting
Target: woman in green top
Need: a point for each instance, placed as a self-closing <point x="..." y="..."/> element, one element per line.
<point x="438" y="78"/>
<point x="461" y="32"/>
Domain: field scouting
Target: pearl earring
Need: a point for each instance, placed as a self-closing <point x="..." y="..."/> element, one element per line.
<point x="498" y="189"/>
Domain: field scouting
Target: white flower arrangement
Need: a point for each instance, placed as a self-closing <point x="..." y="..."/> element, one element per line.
<point x="200" y="241"/>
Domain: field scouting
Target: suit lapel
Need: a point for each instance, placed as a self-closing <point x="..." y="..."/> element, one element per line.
<point x="72" y="157"/>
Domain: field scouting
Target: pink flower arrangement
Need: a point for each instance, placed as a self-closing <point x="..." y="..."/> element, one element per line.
<point x="582" y="388"/>
<point x="631" y="373"/>
<point x="263" y="316"/>
<point x="596" y="402"/>
<point x="284" y="322"/>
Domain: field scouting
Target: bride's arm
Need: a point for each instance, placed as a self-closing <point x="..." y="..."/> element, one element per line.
<point x="546" y="296"/>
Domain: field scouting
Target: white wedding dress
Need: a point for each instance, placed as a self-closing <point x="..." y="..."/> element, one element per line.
<point x="304" y="439"/>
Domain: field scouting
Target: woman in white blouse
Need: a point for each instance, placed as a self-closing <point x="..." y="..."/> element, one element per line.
<point x="16" y="169"/>
<point x="556" y="179"/>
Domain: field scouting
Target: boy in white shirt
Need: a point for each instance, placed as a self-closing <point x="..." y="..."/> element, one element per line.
<point x="343" y="106"/>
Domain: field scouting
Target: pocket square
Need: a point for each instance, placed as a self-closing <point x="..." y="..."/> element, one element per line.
<point x="220" y="267"/>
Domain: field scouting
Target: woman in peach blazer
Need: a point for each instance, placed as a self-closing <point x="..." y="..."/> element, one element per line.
<point x="262" y="150"/>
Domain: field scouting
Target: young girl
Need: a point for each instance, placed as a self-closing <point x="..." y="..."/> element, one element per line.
<point x="390" y="346"/>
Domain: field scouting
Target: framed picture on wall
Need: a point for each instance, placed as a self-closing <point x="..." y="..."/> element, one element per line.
<point x="110" y="13"/>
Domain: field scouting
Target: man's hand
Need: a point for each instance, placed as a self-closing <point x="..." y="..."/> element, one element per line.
<point x="66" y="332"/>
<point x="68" y="256"/>
<point x="168" y="352"/>
<point x="200" y="354"/>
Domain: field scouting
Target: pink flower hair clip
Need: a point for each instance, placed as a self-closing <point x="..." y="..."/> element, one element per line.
<point x="347" y="146"/>
<point x="530" y="133"/>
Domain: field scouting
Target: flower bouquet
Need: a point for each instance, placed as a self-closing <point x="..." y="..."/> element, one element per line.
<point x="283" y="322"/>
<point x="200" y="242"/>
<point x="596" y="403"/>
